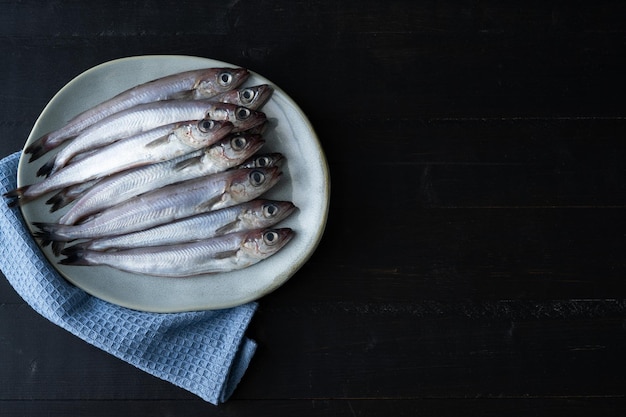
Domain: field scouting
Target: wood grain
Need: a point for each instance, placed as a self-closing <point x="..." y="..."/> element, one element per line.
<point x="473" y="260"/>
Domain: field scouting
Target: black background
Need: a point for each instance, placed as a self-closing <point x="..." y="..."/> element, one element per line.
<point x="473" y="262"/>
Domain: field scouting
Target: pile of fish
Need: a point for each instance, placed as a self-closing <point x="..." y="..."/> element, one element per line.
<point x="164" y="179"/>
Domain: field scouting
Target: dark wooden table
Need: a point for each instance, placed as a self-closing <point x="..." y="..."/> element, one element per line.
<point x="473" y="262"/>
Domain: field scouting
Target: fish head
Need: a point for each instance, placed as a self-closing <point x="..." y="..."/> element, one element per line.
<point x="233" y="150"/>
<point x="219" y="80"/>
<point x="256" y="96"/>
<point x="260" y="128"/>
<point x="274" y="159"/>
<point x="264" y="213"/>
<point x="249" y="183"/>
<point x="202" y="133"/>
<point x="262" y="243"/>
<point x="241" y="117"/>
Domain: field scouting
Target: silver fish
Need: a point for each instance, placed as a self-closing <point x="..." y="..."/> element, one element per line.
<point x="253" y="97"/>
<point x="117" y="188"/>
<point x="69" y="194"/>
<point x="256" y="214"/>
<point x="195" y="84"/>
<point x="219" y="254"/>
<point x="156" y="145"/>
<point x="166" y="204"/>
<point x="144" y="117"/>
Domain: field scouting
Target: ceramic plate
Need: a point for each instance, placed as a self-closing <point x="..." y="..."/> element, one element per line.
<point x="305" y="182"/>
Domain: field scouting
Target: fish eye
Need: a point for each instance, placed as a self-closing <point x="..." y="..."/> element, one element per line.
<point x="225" y="78"/>
<point x="206" y="125"/>
<point x="242" y="113"/>
<point x="247" y="95"/>
<point x="270" y="210"/>
<point x="270" y="237"/>
<point x="263" y="161"/>
<point x="257" y="178"/>
<point x="238" y="143"/>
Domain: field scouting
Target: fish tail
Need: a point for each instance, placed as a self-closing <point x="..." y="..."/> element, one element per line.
<point x="59" y="200"/>
<point x="38" y="148"/>
<point x="76" y="256"/>
<point x="57" y="247"/>
<point x="46" y="169"/>
<point x="46" y="233"/>
<point x="18" y="196"/>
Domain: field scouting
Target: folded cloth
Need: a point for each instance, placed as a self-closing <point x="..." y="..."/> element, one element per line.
<point x="203" y="352"/>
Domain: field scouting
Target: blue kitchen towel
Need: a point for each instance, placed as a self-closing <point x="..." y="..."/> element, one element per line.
<point x="203" y="352"/>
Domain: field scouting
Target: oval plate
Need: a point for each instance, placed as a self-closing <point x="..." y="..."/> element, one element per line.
<point x="305" y="182"/>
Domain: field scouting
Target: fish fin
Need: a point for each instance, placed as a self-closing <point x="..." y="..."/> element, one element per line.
<point x="158" y="142"/>
<point x="228" y="227"/>
<point x="77" y="247"/>
<point x="85" y="218"/>
<point x="181" y="95"/>
<point x="182" y="165"/>
<point x="226" y="254"/>
<point x="75" y="257"/>
<point x="208" y="204"/>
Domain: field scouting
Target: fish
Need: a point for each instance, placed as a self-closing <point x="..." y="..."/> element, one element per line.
<point x="117" y="188"/>
<point x="70" y="194"/>
<point x="253" y="97"/>
<point x="169" y="203"/>
<point x="225" y="253"/>
<point x="144" y="117"/>
<point x="195" y="84"/>
<point x="256" y="214"/>
<point x="156" y="145"/>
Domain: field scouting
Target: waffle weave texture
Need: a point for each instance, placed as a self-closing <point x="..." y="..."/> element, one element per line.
<point x="204" y="352"/>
